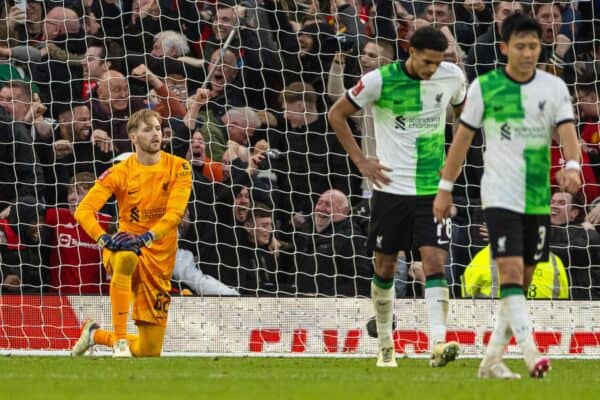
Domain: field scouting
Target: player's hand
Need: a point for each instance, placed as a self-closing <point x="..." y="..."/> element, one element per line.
<point x="145" y="239"/>
<point x="373" y="170"/>
<point x="442" y="205"/>
<point x="569" y="180"/>
<point x="121" y="241"/>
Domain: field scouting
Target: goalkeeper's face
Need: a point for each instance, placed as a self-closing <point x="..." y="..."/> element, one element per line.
<point x="148" y="137"/>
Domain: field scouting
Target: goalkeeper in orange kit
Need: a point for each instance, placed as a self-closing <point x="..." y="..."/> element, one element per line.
<point x="152" y="189"/>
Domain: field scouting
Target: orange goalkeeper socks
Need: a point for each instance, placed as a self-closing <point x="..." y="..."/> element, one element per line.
<point x="107" y="338"/>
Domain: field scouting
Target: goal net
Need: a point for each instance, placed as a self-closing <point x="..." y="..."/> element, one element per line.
<point x="272" y="255"/>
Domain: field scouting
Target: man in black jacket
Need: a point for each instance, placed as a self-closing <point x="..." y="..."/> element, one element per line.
<point x="17" y="158"/>
<point x="577" y="247"/>
<point x="265" y="262"/>
<point x="314" y="158"/>
<point x="259" y="65"/>
<point x="331" y="257"/>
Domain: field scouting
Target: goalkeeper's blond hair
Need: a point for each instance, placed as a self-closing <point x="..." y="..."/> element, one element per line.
<point x="144" y="115"/>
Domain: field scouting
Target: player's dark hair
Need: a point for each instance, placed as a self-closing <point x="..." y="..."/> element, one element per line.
<point x="430" y="38"/>
<point x="519" y="23"/>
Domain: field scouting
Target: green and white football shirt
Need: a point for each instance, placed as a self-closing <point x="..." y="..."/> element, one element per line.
<point x="517" y="120"/>
<point x="409" y="116"/>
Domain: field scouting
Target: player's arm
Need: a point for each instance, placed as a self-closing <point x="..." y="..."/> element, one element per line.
<point x="88" y="208"/>
<point x="176" y="205"/>
<point x="456" y="156"/>
<point x="470" y="120"/>
<point x="366" y="91"/>
<point x="338" y="116"/>
<point x="569" y="178"/>
<point x="459" y="96"/>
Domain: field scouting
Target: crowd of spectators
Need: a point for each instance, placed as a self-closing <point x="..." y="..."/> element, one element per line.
<point x="243" y="88"/>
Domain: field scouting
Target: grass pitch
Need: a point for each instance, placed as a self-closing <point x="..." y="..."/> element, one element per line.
<point x="103" y="378"/>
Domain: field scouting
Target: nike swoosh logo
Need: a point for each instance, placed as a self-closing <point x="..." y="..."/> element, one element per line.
<point x="123" y="313"/>
<point x="132" y="192"/>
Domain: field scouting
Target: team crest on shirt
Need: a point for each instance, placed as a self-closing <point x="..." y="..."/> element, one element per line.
<point x="541" y="108"/>
<point x="185" y="169"/>
<point x="358" y="88"/>
<point x="438" y="98"/>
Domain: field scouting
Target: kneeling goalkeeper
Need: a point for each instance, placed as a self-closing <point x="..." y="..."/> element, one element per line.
<point x="152" y="189"/>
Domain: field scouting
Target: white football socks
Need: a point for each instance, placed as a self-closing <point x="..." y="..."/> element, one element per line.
<point x="383" y="304"/>
<point x="500" y="336"/>
<point x="436" y="303"/>
<point x="518" y="315"/>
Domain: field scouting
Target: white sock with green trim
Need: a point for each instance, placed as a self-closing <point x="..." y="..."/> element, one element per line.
<point x="436" y="304"/>
<point x="382" y="296"/>
<point x="517" y="311"/>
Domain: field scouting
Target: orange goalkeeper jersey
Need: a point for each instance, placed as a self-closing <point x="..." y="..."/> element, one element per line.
<point x="149" y="198"/>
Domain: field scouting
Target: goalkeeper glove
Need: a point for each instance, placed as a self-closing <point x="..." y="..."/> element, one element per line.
<point x="121" y="241"/>
<point x="145" y="239"/>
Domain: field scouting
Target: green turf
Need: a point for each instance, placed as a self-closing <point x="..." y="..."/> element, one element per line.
<point x="272" y="378"/>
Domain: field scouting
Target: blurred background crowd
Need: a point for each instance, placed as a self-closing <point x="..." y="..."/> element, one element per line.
<point x="243" y="88"/>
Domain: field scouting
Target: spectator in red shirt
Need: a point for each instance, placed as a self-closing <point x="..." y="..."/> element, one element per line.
<point x="75" y="258"/>
<point x="591" y="190"/>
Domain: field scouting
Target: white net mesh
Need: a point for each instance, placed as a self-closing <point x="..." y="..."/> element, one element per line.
<point x="278" y="209"/>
